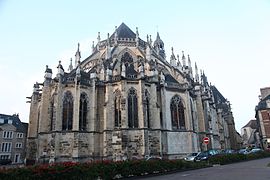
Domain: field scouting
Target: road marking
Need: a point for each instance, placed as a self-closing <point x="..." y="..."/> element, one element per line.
<point x="185" y="175"/>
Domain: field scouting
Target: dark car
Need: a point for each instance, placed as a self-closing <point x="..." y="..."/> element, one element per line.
<point x="203" y="156"/>
<point x="5" y="161"/>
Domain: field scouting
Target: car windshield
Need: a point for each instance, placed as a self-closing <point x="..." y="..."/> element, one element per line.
<point x="193" y="154"/>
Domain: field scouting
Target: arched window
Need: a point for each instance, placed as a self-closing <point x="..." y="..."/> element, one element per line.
<point x="147" y="109"/>
<point x="51" y="111"/>
<point x="117" y="109"/>
<point x="83" y="112"/>
<point x="67" y="117"/>
<point x="132" y="109"/>
<point x="177" y="113"/>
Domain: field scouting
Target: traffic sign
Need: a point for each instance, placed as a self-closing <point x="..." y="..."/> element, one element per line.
<point x="206" y="140"/>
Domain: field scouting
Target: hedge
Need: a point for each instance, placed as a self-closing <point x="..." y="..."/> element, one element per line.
<point x="97" y="170"/>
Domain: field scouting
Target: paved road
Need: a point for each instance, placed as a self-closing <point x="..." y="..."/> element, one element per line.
<point x="250" y="170"/>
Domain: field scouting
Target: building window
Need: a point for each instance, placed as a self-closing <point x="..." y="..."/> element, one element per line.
<point x="18" y="145"/>
<point x="19" y="135"/>
<point x="17" y="158"/>
<point x="67" y="118"/>
<point x="177" y="113"/>
<point x="83" y="112"/>
<point x="9" y="121"/>
<point x="4" y="156"/>
<point x="7" y="134"/>
<point x="132" y="109"/>
<point x="6" y="147"/>
<point x="52" y="114"/>
<point x="117" y="109"/>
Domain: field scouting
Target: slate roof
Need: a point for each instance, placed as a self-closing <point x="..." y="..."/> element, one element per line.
<point x="123" y="31"/>
<point x="252" y="124"/>
<point x="219" y="98"/>
<point x="21" y="127"/>
<point x="262" y="104"/>
<point x="169" y="78"/>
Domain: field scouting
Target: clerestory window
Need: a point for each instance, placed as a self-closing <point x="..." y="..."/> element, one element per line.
<point x="177" y="113"/>
<point x="132" y="109"/>
<point x="67" y="118"/>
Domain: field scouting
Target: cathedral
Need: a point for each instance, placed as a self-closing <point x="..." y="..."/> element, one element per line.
<point x="126" y="101"/>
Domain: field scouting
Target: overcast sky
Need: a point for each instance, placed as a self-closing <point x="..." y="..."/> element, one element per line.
<point x="228" y="39"/>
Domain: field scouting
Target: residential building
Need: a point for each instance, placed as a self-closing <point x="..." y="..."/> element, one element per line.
<point x="263" y="117"/>
<point x="13" y="134"/>
<point x="250" y="134"/>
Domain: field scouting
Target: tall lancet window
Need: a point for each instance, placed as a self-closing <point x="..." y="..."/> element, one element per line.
<point x="52" y="114"/>
<point x="132" y="109"/>
<point x="147" y="109"/>
<point x="67" y="117"/>
<point x="177" y="113"/>
<point x="83" y="112"/>
<point x="117" y="109"/>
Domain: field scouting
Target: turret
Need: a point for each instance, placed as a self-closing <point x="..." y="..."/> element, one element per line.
<point x="159" y="46"/>
<point x="47" y="76"/>
<point x="60" y="72"/>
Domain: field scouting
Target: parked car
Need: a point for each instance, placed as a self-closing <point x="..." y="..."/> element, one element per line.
<point x="255" y="150"/>
<point x="203" y="156"/>
<point x="243" y="151"/>
<point x="5" y="161"/>
<point x="228" y="151"/>
<point x="191" y="156"/>
<point x="153" y="158"/>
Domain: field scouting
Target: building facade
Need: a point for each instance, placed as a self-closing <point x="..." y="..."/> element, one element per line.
<point x="13" y="134"/>
<point x="263" y="117"/>
<point x="125" y="101"/>
<point x="250" y="134"/>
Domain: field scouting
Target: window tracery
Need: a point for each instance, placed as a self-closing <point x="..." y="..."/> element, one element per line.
<point x="67" y="116"/>
<point x="177" y="113"/>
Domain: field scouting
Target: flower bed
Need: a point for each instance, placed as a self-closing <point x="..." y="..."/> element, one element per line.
<point x="232" y="158"/>
<point x="97" y="170"/>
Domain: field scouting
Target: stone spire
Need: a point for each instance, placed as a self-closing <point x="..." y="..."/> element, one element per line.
<point x="77" y="56"/>
<point x="93" y="47"/>
<point x="98" y="41"/>
<point x="108" y="47"/>
<point x="70" y="67"/>
<point x="184" y="60"/>
<point x="179" y="66"/>
<point x="173" y="59"/>
<point x="159" y="46"/>
<point x="150" y="41"/>
<point x="137" y="37"/>
<point x="196" y="73"/>
<point x="115" y="36"/>
<point x="189" y="66"/>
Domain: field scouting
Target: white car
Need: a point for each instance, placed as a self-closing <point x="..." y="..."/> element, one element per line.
<point x="191" y="157"/>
